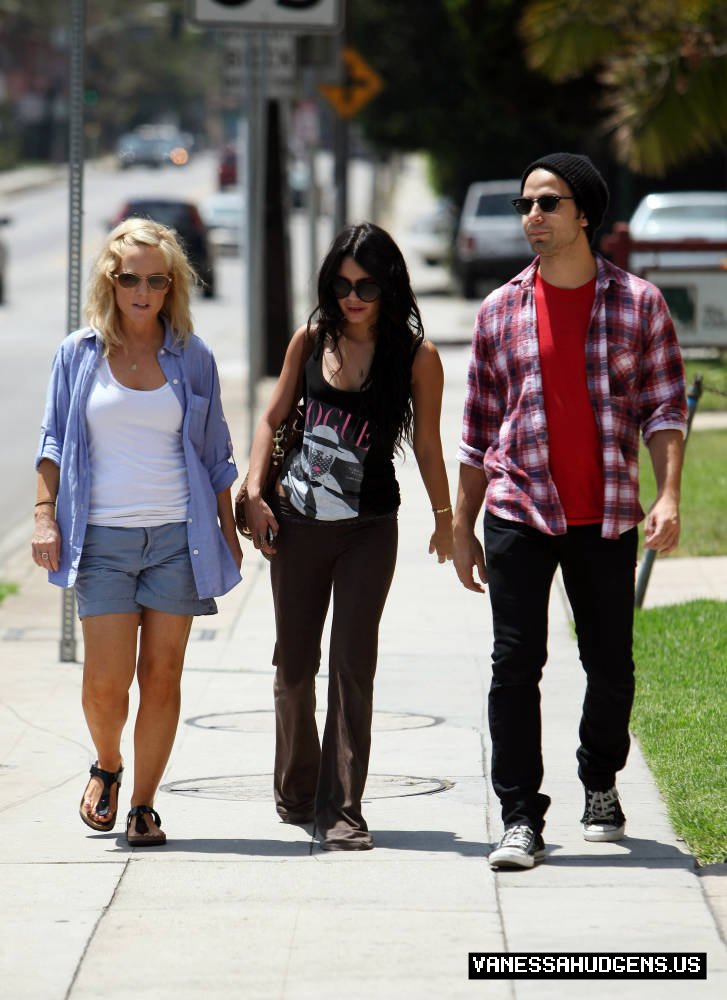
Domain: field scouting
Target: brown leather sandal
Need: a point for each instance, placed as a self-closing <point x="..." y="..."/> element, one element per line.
<point x="103" y="805"/>
<point x="143" y="837"/>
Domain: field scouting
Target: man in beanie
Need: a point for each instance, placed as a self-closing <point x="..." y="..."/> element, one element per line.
<point x="570" y="360"/>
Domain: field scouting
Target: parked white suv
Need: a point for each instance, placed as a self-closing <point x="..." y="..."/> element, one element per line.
<point x="490" y="241"/>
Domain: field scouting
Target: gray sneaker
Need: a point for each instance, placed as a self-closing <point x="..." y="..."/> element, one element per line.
<point x="520" y="847"/>
<point x="603" y="819"/>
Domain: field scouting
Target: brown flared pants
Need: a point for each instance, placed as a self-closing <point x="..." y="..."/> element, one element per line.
<point x="354" y="563"/>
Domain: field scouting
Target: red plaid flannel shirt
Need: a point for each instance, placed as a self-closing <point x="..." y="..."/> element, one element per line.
<point x="635" y="379"/>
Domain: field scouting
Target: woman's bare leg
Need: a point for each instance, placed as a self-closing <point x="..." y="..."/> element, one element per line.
<point x="108" y="670"/>
<point x="162" y="647"/>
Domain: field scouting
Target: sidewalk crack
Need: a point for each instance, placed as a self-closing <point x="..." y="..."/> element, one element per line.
<point x="94" y="931"/>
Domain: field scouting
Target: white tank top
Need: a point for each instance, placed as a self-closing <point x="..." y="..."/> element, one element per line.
<point x="138" y="472"/>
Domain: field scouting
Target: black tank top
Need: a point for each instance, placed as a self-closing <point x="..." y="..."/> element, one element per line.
<point x="343" y="469"/>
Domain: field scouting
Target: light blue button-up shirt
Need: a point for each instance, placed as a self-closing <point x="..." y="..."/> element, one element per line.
<point x="192" y="373"/>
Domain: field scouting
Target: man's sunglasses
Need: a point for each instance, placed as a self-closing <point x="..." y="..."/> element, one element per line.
<point x="366" y="289"/>
<point x="157" y="282"/>
<point x="546" y="203"/>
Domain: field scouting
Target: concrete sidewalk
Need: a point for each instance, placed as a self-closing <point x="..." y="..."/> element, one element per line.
<point x="238" y="904"/>
<point x="28" y="177"/>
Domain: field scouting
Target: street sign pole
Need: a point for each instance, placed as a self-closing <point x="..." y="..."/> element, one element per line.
<point x="358" y="84"/>
<point x="340" y="172"/>
<point x="340" y="153"/>
<point x="255" y="156"/>
<point x="299" y="17"/>
<point x="75" y="225"/>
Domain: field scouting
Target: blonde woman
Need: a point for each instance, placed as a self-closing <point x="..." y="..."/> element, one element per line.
<point x="133" y="505"/>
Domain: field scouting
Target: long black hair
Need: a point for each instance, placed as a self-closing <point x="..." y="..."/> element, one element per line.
<point x="399" y="329"/>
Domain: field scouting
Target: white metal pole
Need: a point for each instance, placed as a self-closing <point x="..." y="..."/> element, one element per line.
<point x="75" y="229"/>
<point x="254" y="76"/>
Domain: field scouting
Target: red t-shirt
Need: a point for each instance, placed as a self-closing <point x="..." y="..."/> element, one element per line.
<point x="576" y="459"/>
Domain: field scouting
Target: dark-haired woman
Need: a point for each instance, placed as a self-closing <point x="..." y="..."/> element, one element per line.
<point x="370" y="382"/>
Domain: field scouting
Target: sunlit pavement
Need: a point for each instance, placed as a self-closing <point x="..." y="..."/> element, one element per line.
<point x="238" y="904"/>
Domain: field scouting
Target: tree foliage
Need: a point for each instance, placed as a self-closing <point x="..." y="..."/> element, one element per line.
<point x="143" y="62"/>
<point x="146" y="63"/>
<point x="662" y="65"/>
<point x="457" y="87"/>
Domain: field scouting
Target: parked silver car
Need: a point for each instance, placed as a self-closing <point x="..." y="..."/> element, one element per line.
<point x="154" y="146"/>
<point x="680" y="215"/>
<point x="490" y="241"/>
<point x="431" y="235"/>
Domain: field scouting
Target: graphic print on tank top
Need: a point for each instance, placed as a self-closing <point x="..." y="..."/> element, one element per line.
<point x="323" y="480"/>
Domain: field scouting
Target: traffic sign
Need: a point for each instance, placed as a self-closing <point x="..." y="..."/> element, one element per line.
<point x="245" y="53"/>
<point x="360" y="85"/>
<point x="303" y="16"/>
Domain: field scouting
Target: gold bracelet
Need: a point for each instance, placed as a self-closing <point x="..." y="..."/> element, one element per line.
<point x="42" y="503"/>
<point x="441" y="510"/>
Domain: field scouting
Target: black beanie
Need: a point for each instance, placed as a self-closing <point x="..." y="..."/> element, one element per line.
<point x="587" y="185"/>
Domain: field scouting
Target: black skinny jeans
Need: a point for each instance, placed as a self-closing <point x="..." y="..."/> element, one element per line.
<point x="598" y="574"/>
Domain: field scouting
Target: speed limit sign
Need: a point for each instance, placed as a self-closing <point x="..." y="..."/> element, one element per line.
<point x="302" y="16"/>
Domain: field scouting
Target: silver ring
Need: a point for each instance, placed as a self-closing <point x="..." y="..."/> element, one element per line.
<point x="44" y="555"/>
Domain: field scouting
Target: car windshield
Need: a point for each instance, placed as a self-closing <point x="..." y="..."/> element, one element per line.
<point x="496" y="204"/>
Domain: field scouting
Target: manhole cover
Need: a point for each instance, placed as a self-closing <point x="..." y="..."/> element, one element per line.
<point x="259" y="787"/>
<point x="263" y="721"/>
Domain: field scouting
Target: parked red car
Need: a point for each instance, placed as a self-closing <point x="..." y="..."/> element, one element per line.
<point x="184" y="218"/>
<point x="227" y="168"/>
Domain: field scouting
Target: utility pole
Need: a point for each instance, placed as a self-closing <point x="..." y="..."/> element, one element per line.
<point x="75" y="228"/>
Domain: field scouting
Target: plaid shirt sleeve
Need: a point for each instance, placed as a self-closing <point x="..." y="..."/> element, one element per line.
<point x="483" y="410"/>
<point x="662" y="399"/>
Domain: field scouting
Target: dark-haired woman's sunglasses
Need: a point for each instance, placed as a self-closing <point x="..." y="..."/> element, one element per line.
<point x="157" y="282"/>
<point x="366" y="289"/>
<point x="547" y="203"/>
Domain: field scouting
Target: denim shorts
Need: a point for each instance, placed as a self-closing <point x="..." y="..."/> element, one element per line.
<point x="123" y="570"/>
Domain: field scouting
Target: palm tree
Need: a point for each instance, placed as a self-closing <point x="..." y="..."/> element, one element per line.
<point x="661" y="64"/>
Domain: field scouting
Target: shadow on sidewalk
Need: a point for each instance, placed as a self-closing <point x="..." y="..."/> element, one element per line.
<point x="428" y="841"/>
<point x="635" y="852"/>
<point x="223" y="845"/>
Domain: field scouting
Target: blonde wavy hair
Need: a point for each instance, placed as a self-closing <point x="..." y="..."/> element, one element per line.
<point x="101" y="310"/>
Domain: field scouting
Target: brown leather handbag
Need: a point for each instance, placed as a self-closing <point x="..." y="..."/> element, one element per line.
<point x="288" y="435"/>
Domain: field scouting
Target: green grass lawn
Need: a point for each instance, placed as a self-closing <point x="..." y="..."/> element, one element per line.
<point x="679" y="717"/>
<point x="681" y="663"/>
<point x="714" y="373"/>
<point x="704" y="494"/>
